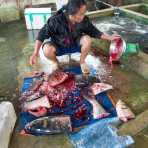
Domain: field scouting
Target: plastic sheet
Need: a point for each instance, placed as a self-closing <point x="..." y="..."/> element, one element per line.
<point x="100" y="135"/>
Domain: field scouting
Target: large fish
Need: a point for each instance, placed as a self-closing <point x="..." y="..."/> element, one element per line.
<point x="49" y="125"/>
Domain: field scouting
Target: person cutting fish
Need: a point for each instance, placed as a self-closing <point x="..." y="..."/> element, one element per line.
<point x="68" y="31"/>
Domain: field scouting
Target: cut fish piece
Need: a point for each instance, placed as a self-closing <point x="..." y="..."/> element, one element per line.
<point x="97" y="88"/>
<point x="124" y="113"/>
<point x="40" y="102"/>
<point x="57" y="78"/>
<point x="98" y="110"/>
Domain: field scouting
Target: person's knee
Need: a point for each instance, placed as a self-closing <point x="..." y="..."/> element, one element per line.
<point x="49" y="50"/>
<point x="86" y="41"/>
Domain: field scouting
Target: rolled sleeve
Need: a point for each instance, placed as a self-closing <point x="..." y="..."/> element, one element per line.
<point x="43" y="34"/>
<point x="47" y="30"/>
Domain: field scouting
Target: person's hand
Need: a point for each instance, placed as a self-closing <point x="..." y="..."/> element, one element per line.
<point x="114" y="37"/>
<point x="33" y="59"/>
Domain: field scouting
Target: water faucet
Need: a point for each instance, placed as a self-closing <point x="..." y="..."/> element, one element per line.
<point x="116" y="11"/>
<point x="115" y="8"/>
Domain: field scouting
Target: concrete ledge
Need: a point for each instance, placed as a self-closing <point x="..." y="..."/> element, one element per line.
<point x="130" y="12"/>
<point x="100" y="13"/>
<point x="133" y="127"/>
<point x="7" y="123"/>
<point x="143" y="56"/>
<point x="133" y="6"/>
<point x="138" y="63"/>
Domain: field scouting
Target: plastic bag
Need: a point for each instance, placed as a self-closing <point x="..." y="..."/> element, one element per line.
<point x="117" y="48"/>
<point x="101" y="134"/>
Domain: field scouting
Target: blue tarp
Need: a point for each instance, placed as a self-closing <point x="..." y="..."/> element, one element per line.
<point x="102" y="98"/>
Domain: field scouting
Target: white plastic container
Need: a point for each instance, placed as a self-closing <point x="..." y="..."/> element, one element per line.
<point x="7" y="123"/>
<point x="36" y="17"/>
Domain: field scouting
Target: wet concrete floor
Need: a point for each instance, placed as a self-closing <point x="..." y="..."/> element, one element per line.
<point x="15" y="47"/>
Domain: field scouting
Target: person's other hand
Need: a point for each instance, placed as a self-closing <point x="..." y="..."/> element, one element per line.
<point x="33" y="59"/>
